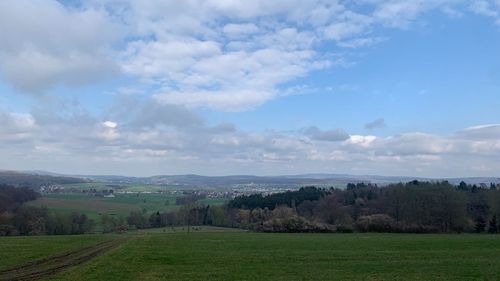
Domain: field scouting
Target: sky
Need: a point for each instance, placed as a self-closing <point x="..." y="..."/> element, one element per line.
<point x="221" y="87"/>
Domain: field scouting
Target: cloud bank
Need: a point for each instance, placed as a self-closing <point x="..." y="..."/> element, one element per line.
<point x="181" y="142"/>
<point x="186" y="56"/>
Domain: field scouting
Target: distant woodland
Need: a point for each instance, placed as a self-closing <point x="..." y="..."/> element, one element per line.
<point x="34" y="181"/>
<point x="413" y="207"/>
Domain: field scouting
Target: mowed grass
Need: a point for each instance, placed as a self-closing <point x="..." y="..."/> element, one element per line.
<point x="258" y="256"/>
<point x="19" y="250"/>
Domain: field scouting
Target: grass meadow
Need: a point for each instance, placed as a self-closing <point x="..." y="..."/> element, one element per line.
<point x="212" y="254"/>
<point x="121" y="204"/>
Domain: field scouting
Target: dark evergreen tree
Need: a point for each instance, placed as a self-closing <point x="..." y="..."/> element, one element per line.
<point x="480" y="224"/>
<point x="463" y="186"/>
<point x="155" y="220"/>
<point x="493" y="225"/>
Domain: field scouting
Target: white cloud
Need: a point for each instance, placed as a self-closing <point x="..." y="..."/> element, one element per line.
<point x="107" y="131"/>
<point x="375" y="124"/>
<point x="237" y="30"/>
<point x="238" y="80"/>
<point x="402" y="13"/>
<point x="361" y="42"/>
<point x="63" y="46"/>
<point x="109" y="124"/>
<point x="328" y="135"/>
<point x="348" y="25"/>
<point x="414" y="144"/>
<point x="481" y="132"/>
<point x="166" y="60"/>
<point x="489" y="8"/>
<point x="195" y="48"/>
<point x="16" y="127"/>
<point x="150" y="114"/>
<point x="199" y="52"/>
<point x="483" y="7"/>
<point x="224" y="100"/>
<point x="360" y="142"/>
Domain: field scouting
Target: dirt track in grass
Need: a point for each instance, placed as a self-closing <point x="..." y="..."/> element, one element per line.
<point x="46" y="267"/>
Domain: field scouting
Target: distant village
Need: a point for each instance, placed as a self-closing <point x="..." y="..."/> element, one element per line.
<point x="109" y="191"/>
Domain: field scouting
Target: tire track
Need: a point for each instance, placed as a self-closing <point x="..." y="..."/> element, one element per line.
<point x="45" y="267"/>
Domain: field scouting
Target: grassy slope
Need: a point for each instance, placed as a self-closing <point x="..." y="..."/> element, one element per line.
<point x="19" y="250"/>
<point x="254" y="256"/>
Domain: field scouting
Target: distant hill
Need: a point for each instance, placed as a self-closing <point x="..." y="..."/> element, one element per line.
<point x="297" y="180"/>
<point x="35" y="180"/>
<point x="38" y="178"/>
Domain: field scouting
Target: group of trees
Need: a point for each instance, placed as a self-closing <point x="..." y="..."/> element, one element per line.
<point x="415" y="207"/>
<point x="16" y="219"/>
<point x="191" y="214"/>
<point x="11" y="197"/>
<point x="190" y="199"/>
<point x="289" y="198"/>
<point x="420" y="207"/>
<point x="39" y="221"/>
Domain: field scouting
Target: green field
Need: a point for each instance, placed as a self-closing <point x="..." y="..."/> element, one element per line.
<point x="209" y="254"/>
<point x="122" y="204"/>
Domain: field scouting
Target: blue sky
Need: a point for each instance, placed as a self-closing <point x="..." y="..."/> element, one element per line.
<point x="231" y="87"/>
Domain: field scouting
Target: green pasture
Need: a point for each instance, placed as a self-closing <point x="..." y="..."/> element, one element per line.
<point x="227" y="255"/>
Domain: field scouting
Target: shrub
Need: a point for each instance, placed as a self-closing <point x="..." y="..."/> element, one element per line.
<point x="375" y="223"/>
